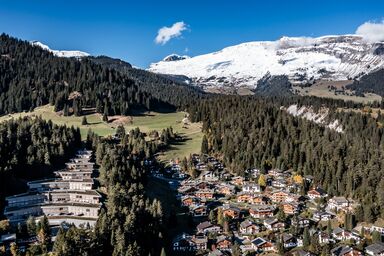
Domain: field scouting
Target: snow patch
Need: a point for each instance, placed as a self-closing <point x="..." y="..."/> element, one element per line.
<point x="319" y="117"/>
<point x="63" y="54"/>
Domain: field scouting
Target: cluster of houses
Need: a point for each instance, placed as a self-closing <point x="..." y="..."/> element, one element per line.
<point x="70" y="197"/>
<point x="231" y="210"/>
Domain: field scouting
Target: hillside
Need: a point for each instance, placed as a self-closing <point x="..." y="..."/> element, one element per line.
<point x="31" y="76"/>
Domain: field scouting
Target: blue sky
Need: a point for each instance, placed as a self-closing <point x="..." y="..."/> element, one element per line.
<point x="127" y="29"/>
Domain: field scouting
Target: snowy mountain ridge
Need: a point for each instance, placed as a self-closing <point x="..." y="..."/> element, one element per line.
<point x="302" y="59"/>
<point x="64" y="54"/>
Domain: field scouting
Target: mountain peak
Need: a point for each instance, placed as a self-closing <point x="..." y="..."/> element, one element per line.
<point x="175" y="57"/>
<point x="302" y="59"/>
<point x="65" y="54"/>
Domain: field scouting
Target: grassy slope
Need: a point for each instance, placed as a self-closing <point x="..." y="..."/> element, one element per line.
<point x="320" y="89"/>
<point x="146" y="122"/>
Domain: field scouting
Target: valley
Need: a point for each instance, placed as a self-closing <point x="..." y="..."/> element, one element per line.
<point x="261" y="148"/>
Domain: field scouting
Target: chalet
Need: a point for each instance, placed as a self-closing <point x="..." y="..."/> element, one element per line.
<point x="259" y="200"/>
<point x="279" y="196"/>
<point x="249" y="227"/>
<point x="231" y="212"/>
<point x="223" y="242"/>
<point x="378" y="228"/>
<point x="300" y="222"/>
<point x="324" y="238"/>
<point x="322" y="216"/>
<point x="200" y="242"/>
<point x="338" y="203"/>
<point x="237" y="180"/>
<point x="289" y="241"/>
<point x="226" y="189"/>
<point x="251" y="188"/>
<point x="199" y="211"/>
<point x="275" y="172"/>
<point x="207" y="227"/>
<point x="341" y="234"/>
<point x="209" y="176"/>
<point x="316" y="193"/>
<point x="291" y="208"/>
<point x="183" y="243"/>
<point x="294" y="198"/>
<point x="254" y="172"/>
<point x="203" y="185"/>
<point x="273" y="224"/>
<point x="205" y="193"/>
<point x="187" y="190"/>
<point x="189" y="201"/>
<point x="279" y="183"/>
<point x="262" y="211"/>
<point x="261" y="245"/>
<point x="201" y="166"/>
<point x="345" y="250"/>
<point x="376" y="249"/>
<point x="244" y="198"/>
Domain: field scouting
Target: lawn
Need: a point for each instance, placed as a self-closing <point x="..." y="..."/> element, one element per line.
<point x="147" y="121"/>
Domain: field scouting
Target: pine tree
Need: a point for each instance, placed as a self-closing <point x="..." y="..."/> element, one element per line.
<point x="329" y="227"/>
<point x="105" y="118"/>
<point x="376" y="236"/>
<point x="306" y="238"/>
<point x="84" y="121"/>
<point x="204" y="145"/>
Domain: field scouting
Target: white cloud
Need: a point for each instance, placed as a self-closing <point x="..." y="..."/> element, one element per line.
<point x="371" y="31"/>
<point x="167" y="33"/>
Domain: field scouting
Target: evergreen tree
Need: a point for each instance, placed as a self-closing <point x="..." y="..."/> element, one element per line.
<point x="204" y="145"/>
<point x="105" y="118"/>
<point x="84" y="121"/>
<point x="376" y="236"/>
<point x="306" y="238"/>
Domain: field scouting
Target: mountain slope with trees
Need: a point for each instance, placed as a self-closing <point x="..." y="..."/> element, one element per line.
<point x="31" y="77"/>
<point x="249" y="132"/>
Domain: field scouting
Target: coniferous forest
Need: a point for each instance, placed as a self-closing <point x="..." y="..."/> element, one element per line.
<point x="32" y="77"/>
<point x="251" y="133"/>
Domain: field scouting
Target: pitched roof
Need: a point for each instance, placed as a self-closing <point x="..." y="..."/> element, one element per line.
<point x="376" y="248"/>
<point x="259" y="241"/>
<point x="246" y="223"/>
<point x="204" y="225"/>
<point x="341" y="250"/>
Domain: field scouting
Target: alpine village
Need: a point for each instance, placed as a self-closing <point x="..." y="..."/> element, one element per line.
<point x="99" y="157"/>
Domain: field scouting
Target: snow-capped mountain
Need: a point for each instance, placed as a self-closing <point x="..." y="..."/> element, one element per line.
<point x="302" y="59"/>
<point x="66" y="54"/>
